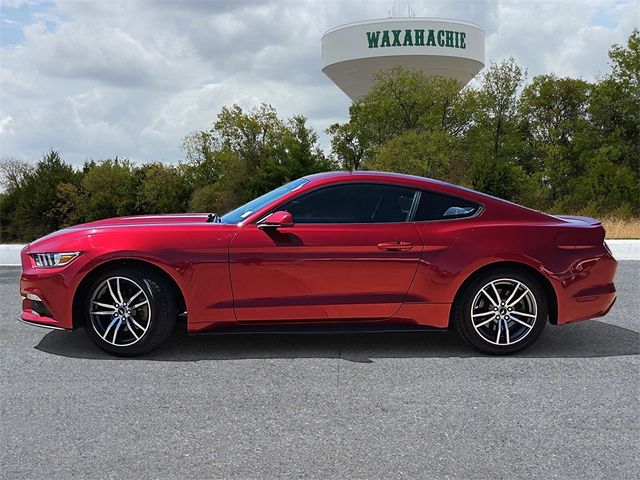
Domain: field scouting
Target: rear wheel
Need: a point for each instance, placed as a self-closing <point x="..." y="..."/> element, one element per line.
<point x="501" y="312"/>
<point x="130" y="312"/>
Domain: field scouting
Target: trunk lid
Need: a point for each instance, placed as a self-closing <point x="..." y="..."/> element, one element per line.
<point x="579" y="233"/>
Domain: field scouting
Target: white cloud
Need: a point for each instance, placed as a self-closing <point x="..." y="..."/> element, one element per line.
<point x="17" y="85"/>
<point x="5" y="126"/>
<point x="132" y="77"/>
<point x="112" y="55"/>
<point x="560" y="36"/>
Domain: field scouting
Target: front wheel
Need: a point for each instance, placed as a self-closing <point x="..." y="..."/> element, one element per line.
<point x="130" y="312"/>
<point x="501" y="312"/>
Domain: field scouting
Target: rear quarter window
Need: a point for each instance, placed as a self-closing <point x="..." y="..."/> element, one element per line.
<point x="436" y="206"/>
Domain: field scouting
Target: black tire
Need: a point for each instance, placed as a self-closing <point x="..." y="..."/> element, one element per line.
<point x="475" y="336"/>
<point x="158" y="315"/>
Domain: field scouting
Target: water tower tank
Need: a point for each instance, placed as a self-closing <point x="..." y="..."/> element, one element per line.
<point x="352" y="53"/>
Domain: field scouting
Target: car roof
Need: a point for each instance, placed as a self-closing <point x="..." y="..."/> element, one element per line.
<point x="360" y="175"/>
<point x="389" y="177"/>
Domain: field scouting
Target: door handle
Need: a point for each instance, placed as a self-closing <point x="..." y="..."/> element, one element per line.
<point x="395" y="246"/>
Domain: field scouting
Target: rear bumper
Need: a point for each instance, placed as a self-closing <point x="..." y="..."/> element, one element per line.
<point x="587" y="289"/>
<point x="584" y="308"/>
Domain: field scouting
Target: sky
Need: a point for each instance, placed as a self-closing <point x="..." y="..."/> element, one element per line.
<point x="130" y="78"/>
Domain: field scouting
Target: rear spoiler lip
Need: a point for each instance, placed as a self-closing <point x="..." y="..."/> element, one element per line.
<point x="579" y="233"/>
<point x="592" y="222"/>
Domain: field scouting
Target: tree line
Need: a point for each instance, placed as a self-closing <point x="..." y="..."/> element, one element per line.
<point x="561" y="145"/>
<point x="244" y="155"/>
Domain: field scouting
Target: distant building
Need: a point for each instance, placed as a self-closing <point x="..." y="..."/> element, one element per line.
<point x="352" y="53"/>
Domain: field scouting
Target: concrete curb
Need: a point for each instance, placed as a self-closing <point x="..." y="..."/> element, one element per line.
<point x="625" y="249"/>
<point x="621" y="249"/>
<point x="10" y="255"/>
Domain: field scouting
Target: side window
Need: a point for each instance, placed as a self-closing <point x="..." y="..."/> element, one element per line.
<point x="435" y="206"/>
<point x="353" y="203"/>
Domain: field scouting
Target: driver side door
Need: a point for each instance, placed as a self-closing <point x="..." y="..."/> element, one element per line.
<point x="351" y="255"/>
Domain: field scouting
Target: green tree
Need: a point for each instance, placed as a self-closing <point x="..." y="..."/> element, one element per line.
<point x="12" y="178"/>
<point x="162" y="189"/>
<point x="110" y="189"/>
<point x="553" y="114"/>
<point x="494" y="142"/>
<point x="605" y="186"/>
<point x="346" y="145"/>
<point x="246" y="154"/>
<point x="615" y="104"/>
<point x="303" y="153"/>
<point x="35" y="209"/>
<point x="405" y="100"/>
<point x="68" y="204"/>
<point x="253" y="137"/>
<point x="610" y="144"/>
<point x="409" y="122"/>
<point x="498" y="107"/>
<point x="297" y="154"/>
<point x="426" y="154"/>
<point x="12" y="173"/>
<point x="503" y="179"/>
<point x="625" y="63"/>
<point x="200" y="167"/>
<point x="8" y="202"/>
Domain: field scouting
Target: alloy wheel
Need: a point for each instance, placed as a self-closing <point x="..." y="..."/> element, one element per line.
<point x="504" y="312"/>
<point x="120" y="311"/>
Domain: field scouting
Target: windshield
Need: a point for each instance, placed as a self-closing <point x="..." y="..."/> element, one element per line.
<point x="240" y="213"/>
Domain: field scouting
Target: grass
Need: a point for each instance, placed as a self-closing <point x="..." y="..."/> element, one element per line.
<point x="617" y="228"/>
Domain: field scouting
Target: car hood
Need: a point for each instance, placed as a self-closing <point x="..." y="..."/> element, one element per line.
<point x="158" y="220"/>
<point x="79" y="237"/>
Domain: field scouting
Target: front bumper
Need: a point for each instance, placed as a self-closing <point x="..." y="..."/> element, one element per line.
<point x="47" y="296"/>
<point x="35" y="312"/>
<point x="38" y="323"/>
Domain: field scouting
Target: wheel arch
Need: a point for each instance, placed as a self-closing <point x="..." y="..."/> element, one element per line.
<point x="524" y="267"/>
<point x="85" y="284"/>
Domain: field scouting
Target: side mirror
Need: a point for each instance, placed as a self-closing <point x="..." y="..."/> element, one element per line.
<point x="277" y="220"/>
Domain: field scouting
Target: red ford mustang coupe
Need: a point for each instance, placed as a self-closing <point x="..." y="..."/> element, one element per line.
<point x="350" y="251"/>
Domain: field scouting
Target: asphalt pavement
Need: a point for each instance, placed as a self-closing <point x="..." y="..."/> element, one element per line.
<point x="323" y="406"/>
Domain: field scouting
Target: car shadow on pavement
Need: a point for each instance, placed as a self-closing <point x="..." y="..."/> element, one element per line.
<point x="581" y="340"/>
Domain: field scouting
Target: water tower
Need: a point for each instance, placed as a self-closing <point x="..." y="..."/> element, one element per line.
<point x="352" y="53"/>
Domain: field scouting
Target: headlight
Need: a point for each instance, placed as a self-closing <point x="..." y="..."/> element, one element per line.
<point x="50" y="260"/>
